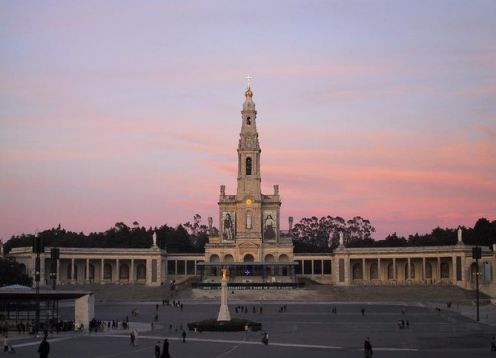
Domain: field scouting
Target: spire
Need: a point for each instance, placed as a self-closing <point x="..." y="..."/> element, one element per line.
<point x="249" y="151"/>
<point x="249" y="105"/>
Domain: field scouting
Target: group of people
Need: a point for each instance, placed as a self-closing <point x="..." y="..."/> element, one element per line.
<point x="244" y="309"/>
<point x="165" y="349"/>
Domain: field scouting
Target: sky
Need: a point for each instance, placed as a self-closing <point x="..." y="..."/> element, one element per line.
<point x="129" y="111"/>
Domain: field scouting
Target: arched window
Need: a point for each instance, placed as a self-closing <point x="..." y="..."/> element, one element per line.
<point x="22" y="267"/>
<point x="487" y="274"/>
<point x="283" y="258"/>
<point x="374" y="271"/>
<point x="445" y="270"/>
<point x="248" y="166"/>
<point x="107" y="272"/>
<point x="357" y="271"/>
<point x="92" y="272"/>
<point x="228" y="258"/>
<point x="248" y="121"/>
<point x="428" y="270"/>
<point x="141" y="272"/>
<point x="69" y="272"/>
<point x="248" y="258"/>
<point x="124" y="272"/>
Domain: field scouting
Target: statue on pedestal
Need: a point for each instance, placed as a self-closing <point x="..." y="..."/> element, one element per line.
<point x="224" y="314"/>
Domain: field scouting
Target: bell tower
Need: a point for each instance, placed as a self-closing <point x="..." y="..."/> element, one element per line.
<point x="249" y="220"/>
<point x="249" y="178"/>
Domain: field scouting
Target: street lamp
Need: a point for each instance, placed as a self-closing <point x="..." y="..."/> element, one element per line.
<point x="37" y="249"/>
<point x="477" y="254"/>
<point x="54" y="257"/>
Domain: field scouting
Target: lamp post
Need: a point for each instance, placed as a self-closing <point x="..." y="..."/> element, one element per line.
<point x="37" y="249"/>
<point x="477" y="254"/>
<point x="54" y="257"/>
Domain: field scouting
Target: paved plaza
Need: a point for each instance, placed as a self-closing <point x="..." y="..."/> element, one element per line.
<point x="308" y="329"/>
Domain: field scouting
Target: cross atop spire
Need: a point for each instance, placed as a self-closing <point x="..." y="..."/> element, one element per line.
<point x="249" y="78"/>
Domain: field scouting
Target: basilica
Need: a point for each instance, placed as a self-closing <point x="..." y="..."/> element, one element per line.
<point x="258" y="253"/>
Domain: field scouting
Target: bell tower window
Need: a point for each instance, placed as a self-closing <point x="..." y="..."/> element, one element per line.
<point x="248" y="121"/>
<point x="248" y="166"/>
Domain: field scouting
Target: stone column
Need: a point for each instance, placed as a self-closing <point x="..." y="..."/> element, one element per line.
<point x="102" y="271"/>
<point x="42" y="270"/>
<point x="409" y="271"/>
<point x="224" y="308"/>
<point x="453" y="269"/>
<point x="312" y="267"/>
<point x="73" y="273"/>
<point x="347" y="274"/>
<point x="463" y="271"/>
<point x="87" y="270"/>
<point x="394" y="269"/>
<point x="439" y="269"/>
<point x="379" y="271"/>
<point x="58" y="280"/>
<point x="363" y="270"/>
<point x="131" y="272"/>
<point x="159" y="270"/>
<point x="424" y="278"/>
<point x="185" y="268"/>
<point x="148" y="272"/>
<point x="117" y="271"/>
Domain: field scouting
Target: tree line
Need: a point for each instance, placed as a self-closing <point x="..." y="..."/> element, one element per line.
<point x="188" y="237"/>
<point x="322" y="235"/>
<point x="311" y="234"/>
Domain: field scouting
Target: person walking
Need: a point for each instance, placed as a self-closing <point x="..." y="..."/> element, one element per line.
<point x="165" y="349"/>
<point x="367" y="348"/>
<point x="157" y="349"/>
<point x="135" y="336"/>
<point x="44" y="348"/>
<point x="265" y="338"/>
<point x="6" y="343"/>
<point x="493" y="344"/>
<point x="184" y="336"/>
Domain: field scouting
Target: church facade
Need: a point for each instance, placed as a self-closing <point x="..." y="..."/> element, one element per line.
<point x="250" y="242"/>
<point x="252" y="246"/>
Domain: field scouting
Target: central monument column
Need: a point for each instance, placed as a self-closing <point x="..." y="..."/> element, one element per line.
<point x="224" y="309"/>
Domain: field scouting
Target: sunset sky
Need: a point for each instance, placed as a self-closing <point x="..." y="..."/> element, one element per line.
<point x="130" y="110"/>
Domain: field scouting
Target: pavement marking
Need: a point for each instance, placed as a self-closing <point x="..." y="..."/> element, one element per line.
<point x="126" y="352"/>
<point x="229" y="351"/>
<point x="238" y="342"/>
<point x="20" y="345"/>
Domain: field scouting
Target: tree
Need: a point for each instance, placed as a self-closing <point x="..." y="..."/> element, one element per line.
<point x="323" y="234"/>
<point x="198" y="233"/>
